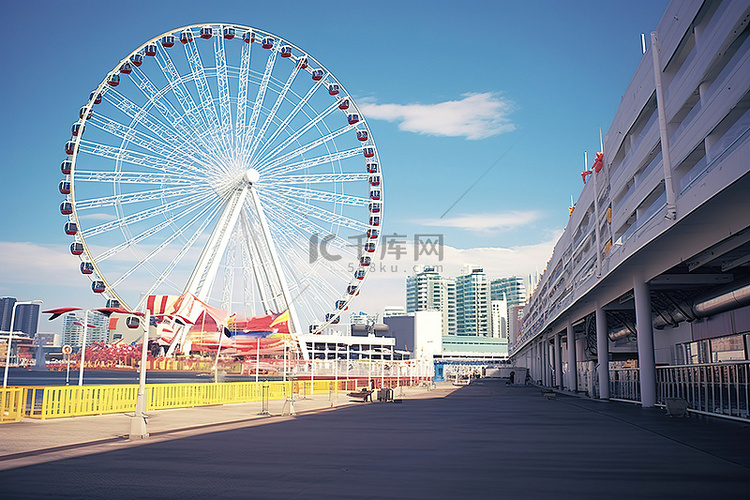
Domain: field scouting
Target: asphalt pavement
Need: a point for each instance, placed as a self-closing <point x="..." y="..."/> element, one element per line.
<point x="485" y="440"/>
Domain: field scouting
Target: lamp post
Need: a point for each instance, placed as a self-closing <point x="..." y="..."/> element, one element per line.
<point x="138" y="423"/>
<point x="10" y="336"/>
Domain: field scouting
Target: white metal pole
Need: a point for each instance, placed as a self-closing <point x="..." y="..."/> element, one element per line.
<point x="10" y="339"/>
<point x="257" y="359"/>
<point x="285" y="351"/>
<point x="83" y="346"/>
<point x="138" y="423"/>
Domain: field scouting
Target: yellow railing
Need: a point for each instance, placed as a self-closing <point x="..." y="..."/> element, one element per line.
<point x="74" y="401"/>
<point x="11" y="404"/>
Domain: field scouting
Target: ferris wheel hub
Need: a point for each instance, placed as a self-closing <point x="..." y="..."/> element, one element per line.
<point x="251" y="176"/>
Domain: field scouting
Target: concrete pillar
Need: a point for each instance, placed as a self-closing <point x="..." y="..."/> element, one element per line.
<point x="572" y="369"/>
<point x="645" y="337"/>
<point x="558" y="362"/>
<point x="602" y="352"/>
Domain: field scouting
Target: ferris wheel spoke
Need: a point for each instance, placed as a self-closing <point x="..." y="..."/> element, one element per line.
<point x="242" y="96"/>
<point x="314" y="195"/>
<point x="320" y="213"/>
<point x="316" y="179"/>
<point x="250" y="133"/>
<point x="123" y="199"/>
<point x="148" y="213"/>
<point x="272" y="114"/>
<point x="135" y="178"/>
<point x="177" y="85"/>
<point x="312" y="162"/>
<point x="306" y="147"/>
<point x="180" y="254"/>
<point x="298" y="133"/>
<point x="148" y="161"/>
<point x="154" y="96"/>
<point x="208" y="111"/>
<point x="140" y="139"/>
<point x="284" y="124"/>
<point x="223" y="82"/>
<point x="149" y="122"/>
<point x="306" y="228"/>
<point x="166" y="243"/>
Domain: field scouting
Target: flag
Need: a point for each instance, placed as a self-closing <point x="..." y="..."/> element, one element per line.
<point x="283" y="318"/>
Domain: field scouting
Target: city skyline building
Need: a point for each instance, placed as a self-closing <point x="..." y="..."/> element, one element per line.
<point x="429" y="291"/>
<point x="26" y="319"/>
<point x="513" y="291"/>
<point x="472" y="303"/>
<point x="72" y="330"/>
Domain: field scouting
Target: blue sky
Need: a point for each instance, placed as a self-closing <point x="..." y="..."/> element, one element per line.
<point x="451" y="88"/>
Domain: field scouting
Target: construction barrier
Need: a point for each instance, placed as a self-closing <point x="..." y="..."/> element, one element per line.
<point x="75" y="401"/>
<point x="11" y="404"/>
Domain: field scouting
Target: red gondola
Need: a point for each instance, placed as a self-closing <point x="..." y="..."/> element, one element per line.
<point x="286" y="51"/>
<point x="76" y="248"/>
<point x="372" y="168"/>
<point x="374" y="221"/>
<point x="360" y="274"/>
<point x="333" y="89"/>
<point x="66" y="208"/>
<point x="65" y="166"/>
<point x="374" y="180"/>
<point x="248" y="37"/>
<point x="206" y="33"/>
<point x="64" y="187"/>
<point x="372" y="234"/>
<point x="126" y="68"/>
<point x="150" y="50"/>
<point x="332" y="318"/>
<point x="87" y="268"/>
<point x="374" y="208"/>
<point x="228" y="33"/>
<point x="340" y="304"/>
<point x="167" y="41"/>
<point x="113" y="80"/>
<point x="97" y="98"/>
<point x="362" y="135"/>
<point x="76" y="129"/>
<point x="71" y="228"/>
<point x="133" y="322"/>
<point x="369" y="247"/>
<point x="344" y="104"/>
<point x="364" y="260"/>
<point x="351" y="289"/>
<point x="354" y="118"/>
<point x="302" y="63"/>
<point x="375" y="194"/>
<point x="317" y="74"/>
<point x="267" y="42"/>
<point x="136" y="59"/>
<point x="70" y="147"/>
<point x="98" y="286"/>
<point x="186" y="36"/>
<point x="369" y="152"/>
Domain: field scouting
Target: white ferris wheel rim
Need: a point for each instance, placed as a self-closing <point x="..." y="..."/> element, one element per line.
<point x="218" y="31"/>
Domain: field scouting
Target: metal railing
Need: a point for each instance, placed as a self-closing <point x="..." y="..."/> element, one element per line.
<point x="715" y="388"/>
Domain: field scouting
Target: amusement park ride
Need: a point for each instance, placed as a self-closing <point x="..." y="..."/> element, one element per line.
<point x="198" y="175"/>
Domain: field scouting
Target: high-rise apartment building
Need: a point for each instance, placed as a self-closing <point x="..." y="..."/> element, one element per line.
<point x="26" y="319"/>
<point x="473" y="303"/>
<point x="512" y="290"/>
<point x="72" y="330"/>
<point x="429" y="291"/>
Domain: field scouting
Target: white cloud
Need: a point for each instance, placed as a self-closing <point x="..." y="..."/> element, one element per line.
<point x="475" y="116"/>
<point x="484" y="223"/>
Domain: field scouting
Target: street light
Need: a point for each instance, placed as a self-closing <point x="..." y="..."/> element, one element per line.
<point x="10" y="336"/>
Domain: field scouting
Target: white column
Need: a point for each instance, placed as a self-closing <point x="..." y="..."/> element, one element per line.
<point x="645" y="338"/>
<point x="572" y="370"/>
<point x="558" y="362"/>
<point x="602" y="352"/>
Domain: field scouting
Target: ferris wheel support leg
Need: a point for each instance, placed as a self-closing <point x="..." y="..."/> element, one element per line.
<point x="293" y="323"/>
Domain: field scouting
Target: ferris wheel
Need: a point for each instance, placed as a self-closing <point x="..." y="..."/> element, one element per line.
<point x="225" y="162"/>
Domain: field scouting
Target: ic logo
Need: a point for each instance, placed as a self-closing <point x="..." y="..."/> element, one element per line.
<point x="319" y="247"/>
